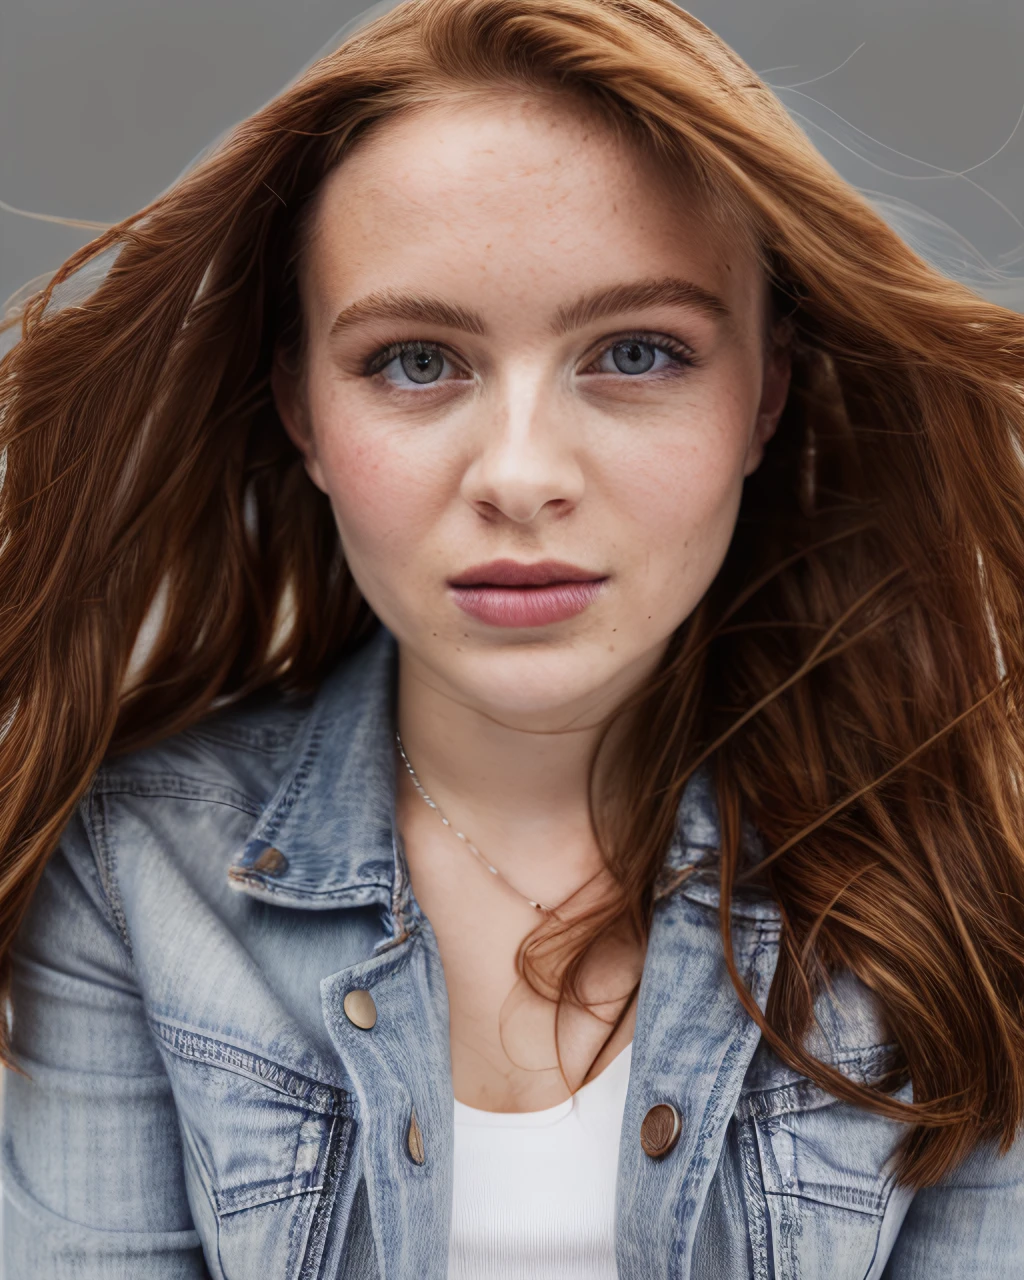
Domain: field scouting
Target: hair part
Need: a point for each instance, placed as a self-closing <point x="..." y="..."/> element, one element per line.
<point x="853" y="677"/>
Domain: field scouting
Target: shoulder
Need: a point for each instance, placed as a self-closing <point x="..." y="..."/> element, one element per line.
<point x="235" y="756"/>
<point x="240" y="753"/>
<point x="183" y="808"/>
<point x="152" y="819"/>
<point x="178" y="810"/>
<point x="186" y="813"/>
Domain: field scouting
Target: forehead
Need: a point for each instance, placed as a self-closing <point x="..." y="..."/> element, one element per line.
<point x="535" y="193"/>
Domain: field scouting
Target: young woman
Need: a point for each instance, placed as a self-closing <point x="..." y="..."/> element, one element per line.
<point x="562" y="816"/>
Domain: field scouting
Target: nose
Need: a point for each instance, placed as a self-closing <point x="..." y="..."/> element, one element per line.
<point x="526" y="465"/>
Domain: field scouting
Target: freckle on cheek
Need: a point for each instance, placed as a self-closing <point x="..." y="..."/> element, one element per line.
<point x="363" y="475"/>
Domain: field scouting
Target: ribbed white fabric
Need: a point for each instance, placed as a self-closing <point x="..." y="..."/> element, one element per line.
<point x="534" y="1193"/>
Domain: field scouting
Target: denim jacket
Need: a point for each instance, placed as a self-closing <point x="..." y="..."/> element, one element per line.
<point x="198" y="1103"/>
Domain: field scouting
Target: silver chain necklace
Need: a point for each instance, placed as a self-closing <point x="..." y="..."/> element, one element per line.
<point x="537" y="906"/>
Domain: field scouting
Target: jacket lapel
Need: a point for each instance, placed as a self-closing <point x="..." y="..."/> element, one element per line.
<point x="400" y="1067"/>
<point x="691" y="1049"/>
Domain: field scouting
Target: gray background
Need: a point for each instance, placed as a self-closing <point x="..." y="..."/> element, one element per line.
<point x="104" y="102"/>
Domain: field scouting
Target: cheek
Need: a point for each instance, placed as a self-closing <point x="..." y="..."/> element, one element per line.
<point x="383" y="491"/>
<point x="363" y="481"/>
<point x="679" y="494"/>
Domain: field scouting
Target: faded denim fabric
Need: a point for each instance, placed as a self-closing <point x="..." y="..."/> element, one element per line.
<point x="197" y="1104"/>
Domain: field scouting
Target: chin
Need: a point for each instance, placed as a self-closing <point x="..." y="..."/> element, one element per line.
<point x="541" y="681"/>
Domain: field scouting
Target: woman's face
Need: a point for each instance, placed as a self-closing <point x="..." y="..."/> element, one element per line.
<point x="534" y="382"/>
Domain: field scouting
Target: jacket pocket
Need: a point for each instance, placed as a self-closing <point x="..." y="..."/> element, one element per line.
<point x="822" y="1172"/>
<point x="265" y="1148"/>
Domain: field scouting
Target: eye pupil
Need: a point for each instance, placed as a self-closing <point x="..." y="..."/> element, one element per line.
<point x="423" y="364"/>
<point x="633" y="357"/>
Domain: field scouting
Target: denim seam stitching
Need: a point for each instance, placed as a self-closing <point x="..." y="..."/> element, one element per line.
<point x="178" y="786"/>
<point x="760" y="1230"/>
<point x="796" y="1095"/>
<point x="323" y="1211"/>
<point x="98" y="828"/>
<point x="243" y="1199"/>
<point x="711" y="1115"/>
<point x="889" y="1186"/>
<point x="297" y="783"/>
<point x="873" y="1206"/>
<point x="188" y="1045"/>
<point x="243" y="875"/>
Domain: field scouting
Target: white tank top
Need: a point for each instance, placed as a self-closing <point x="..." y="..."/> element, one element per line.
<point x="534" y="1191"/>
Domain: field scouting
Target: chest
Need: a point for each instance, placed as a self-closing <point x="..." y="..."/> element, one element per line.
<point x="512" y="1048"/>
<point x="767" y="1178"/>
<point x="534" y="1193"/>
<point x="785" y="1185"/>
<point x="298" y="1120"/>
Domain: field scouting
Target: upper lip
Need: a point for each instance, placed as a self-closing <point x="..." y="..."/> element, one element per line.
<point x="510" y="573"/>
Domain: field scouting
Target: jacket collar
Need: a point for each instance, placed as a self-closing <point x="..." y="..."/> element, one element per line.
<point x="327" y="837"/>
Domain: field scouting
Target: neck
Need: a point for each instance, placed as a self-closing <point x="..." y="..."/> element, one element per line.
<point x="519" y="792"/>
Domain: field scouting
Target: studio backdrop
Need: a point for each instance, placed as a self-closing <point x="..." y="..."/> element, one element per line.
<point x="103" y="103"/>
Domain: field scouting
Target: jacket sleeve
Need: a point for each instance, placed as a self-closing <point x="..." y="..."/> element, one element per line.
<point x="969" y="1226"/>
<point x="92" y="1172"/>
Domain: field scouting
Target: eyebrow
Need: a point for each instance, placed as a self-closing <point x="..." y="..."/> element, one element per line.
<point x="392" y="304"/>
<point x="668" y="291"/>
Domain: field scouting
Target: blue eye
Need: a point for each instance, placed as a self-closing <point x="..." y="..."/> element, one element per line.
<point x="636" y="355"/>
<point x="424" y="364"/>
<point x="406" y="365"/>
<point x="418" y="363"/>
<point x="633" y="357"/>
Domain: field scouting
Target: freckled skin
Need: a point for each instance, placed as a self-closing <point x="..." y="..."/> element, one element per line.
<point x="531" y="446"/>
<point x="513" y="212"/>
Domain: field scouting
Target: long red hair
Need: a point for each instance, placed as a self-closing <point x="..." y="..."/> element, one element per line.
<point x="853" y="677"/>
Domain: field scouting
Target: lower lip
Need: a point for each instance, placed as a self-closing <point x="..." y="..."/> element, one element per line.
<point x="527" y="606"/>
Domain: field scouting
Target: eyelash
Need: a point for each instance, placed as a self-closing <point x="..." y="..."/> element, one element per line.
<point x="682" y="356"/>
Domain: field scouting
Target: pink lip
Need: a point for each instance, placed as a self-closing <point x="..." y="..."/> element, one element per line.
<point x="505" y="593"/>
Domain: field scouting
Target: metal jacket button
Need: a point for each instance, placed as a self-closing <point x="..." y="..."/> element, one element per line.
<point x="660" y="1130"/>
<point x="360" y="1009"/>
<point x="414" y="1140"/>
<point x="271" y="862"/>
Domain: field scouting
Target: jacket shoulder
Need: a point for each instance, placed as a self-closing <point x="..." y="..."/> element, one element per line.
<point x="237" y="753"/>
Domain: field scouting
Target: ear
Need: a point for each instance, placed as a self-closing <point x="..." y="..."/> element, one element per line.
<point x="774" y="390"/>
<point x="288" y="389"/>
